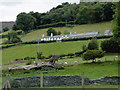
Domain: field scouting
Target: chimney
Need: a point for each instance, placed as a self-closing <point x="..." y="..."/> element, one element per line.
<point x="51" y="34"/>
<point x="43" y="35"/>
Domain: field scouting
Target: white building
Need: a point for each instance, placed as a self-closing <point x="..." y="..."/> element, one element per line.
<point x="60" y="37"/>
<point x="108" y="32"/>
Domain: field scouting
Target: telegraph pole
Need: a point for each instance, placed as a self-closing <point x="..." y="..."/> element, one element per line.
<point x="38" y="44"/>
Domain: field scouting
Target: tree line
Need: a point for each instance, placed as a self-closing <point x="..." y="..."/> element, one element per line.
<point x="81" y="13"/>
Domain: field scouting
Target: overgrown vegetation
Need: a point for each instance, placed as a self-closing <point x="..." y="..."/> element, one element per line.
<point x="66" y="14"/>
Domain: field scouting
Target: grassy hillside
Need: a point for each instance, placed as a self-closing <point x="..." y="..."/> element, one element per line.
<point x="101" y="27"/>
<point x="22" y="51"/>
<point x="91" y="70"/>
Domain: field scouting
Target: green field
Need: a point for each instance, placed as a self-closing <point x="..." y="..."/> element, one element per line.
<point x="34" y="35"/>
<point x="22" y="51"/>
<point x="91" y="70"/>
<point x="101" y="27"/>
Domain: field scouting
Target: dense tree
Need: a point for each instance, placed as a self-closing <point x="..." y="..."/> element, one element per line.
<point x="5" y="29"/>
<point x="82" y="16"/>
<point x="93" y="44"/>
<point x="116" y="30"/>
<point x="25" y="21"/>
<point x="12" y="37"/>
<point x="78" y="13"/>
<point x="51" y="30"/>
<point x="93" y="54"/>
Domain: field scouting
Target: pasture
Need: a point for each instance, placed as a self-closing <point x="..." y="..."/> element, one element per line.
<point x="30" y="50"/>
<point x="101" y="27"/>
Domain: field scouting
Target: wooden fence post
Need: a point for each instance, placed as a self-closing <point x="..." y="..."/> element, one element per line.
<point x="6" y="84"/>
<point x="83" y="80"/>
<point x="41" y="80"/>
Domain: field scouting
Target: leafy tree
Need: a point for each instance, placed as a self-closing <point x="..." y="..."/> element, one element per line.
<point x="25" y="21"/>
<point x="116" y="30"/>
<point x="93" y="54"/>
<point x="13" y="38"/>
<point x="66" y="32"/>
<point x="82" y="16"/>
<point x="110" y="46"/>
<point x="5" y="29"/>
<point x="93" y="44"/>
<point x="51" y="30"/>
<point x="58" y="33"/>
<point x="15" y="27"/>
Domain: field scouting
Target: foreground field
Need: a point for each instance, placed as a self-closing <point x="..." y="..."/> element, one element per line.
<point x="101" y="27"/>
<point x="22" y="51"/>
<point x="91" y="70"/>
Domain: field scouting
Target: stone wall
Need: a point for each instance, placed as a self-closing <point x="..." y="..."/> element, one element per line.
<point x="61" y="81"/>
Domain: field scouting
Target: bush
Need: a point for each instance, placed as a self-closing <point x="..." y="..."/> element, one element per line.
<point x="93" y="54"/>
<point x="93" y="45"/>
<point x="51" y="30"/>
<point x="5" y="29"/>
<point x="13" y="38"/>
<point x="110" y="46"/>
<point x="59" y="24"/>
<point x="85" y="38"/>
<point x="78" y="54"/>
<point x="19" y="32"/>
<point x="70" y="55"/>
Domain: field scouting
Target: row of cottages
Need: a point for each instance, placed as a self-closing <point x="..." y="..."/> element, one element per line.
<point x="69" y="36"/>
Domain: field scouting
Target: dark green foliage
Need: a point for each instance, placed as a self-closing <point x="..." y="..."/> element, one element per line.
<point x="58" y="33"/>
<point x="13" y="38"/>
<point x="93" y="44"/>
<point x="84" y="47"/>
<point x="116" y="30"/>
<point x="51" y="30"/>
<point x="66" y="14"/>
<point x="19" y="32"/>
<point x="110" y="46"/>
<point x="15" y="27"/>
<point x="70" y="55"/>
<point x="5" y="29"/>
<point x="93" y="54"/>
<point x="25" y="22"/>
<point x="85" y="38"/>
<point x="66" y="32"/>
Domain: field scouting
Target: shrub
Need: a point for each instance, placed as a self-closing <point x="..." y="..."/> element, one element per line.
<point x="110" y="46"/>
<point x="93" y="54"/>
<point x="19" y="32"/>
<point x="51" y="30"/>
<point x="58" y="33"/>
<point x="93" y="45"/>
<point x="13" y="38"/>
<point x="70" y="55"/>
<point x="5" y="29"/>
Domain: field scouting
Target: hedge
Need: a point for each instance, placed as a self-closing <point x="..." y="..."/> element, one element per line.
<point x="86" y="38"/>
<point x="36" y="42"/>
<point x="59" y="24"/>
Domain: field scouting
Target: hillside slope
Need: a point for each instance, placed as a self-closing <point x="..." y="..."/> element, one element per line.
<point x="101" y="27"/>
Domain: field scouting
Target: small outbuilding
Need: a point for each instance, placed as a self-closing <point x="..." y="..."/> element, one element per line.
<point x="108" y="32"/>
